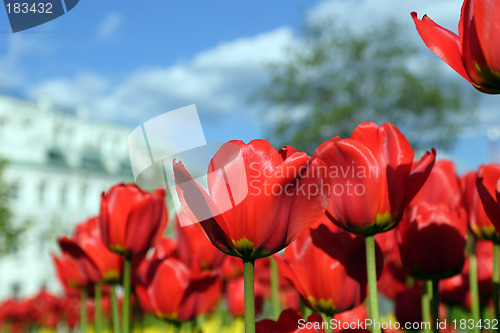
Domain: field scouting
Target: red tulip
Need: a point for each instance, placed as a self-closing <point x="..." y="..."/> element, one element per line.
<point x="195" y="250"/>
<point x="393" y="279"/>
<point x="132" y="220"/>
<point x="264" y="205"/>
<point x="72" y="274"/>
<point x="290" y="321"/>
<point x="87" y="245"/>
<point x="455" y="290"/>
<point x="479" y="223"/>
<point x="46" y="309"/>
<point x="442" y="186"/>
<point x="348" y="321"/>
<point x="70" y="308"/>
<point x="174" y="294"/>
<point x="373" y="177"/>
<point x="408" y="306"/>
<point x="319" y="262"/>
<point x="474" y="52"/>
<point x="488" y="187"/>
<point x="432" y="241"/>
<point x="144" y="266"/>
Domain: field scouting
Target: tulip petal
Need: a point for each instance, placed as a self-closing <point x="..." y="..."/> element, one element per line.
<point x="358" y="186"/>
<point x="487" y="20"/>
<point x="490" y="205"/>
<point x="197" y="202"/>
<point x="444" y="43"/>
<point x="419" y="173"/>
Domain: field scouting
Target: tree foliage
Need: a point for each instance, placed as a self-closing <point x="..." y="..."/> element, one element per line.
<point x="9" y="231"/>
<point x="335" y="78"/>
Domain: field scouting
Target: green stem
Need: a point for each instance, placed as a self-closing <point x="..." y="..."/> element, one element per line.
<point x="496" y="280"/>
<point x="435" y="305"/>
<point x="83" y="311"/>
<point x="126" y="296"/>
<point x="326" y="318"/>
<point x="115" y="309"/>
<point x="275" y="289"/>
<point x="474" y="290"/>
<point x="371" y="271"/>
<point x="248" y="277"/>
<point x="98" y="308"/>
<point x="426" y="305"/>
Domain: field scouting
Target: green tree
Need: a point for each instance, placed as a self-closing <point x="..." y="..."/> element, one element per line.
<point x="335" y="78"/>
<point x="9" y="232"/>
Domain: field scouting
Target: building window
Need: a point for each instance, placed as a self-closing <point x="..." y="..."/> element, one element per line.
<point x="64" y="193"/>
<point x="83" y="193"/>
<point x="15" y="289"/>
<point x="41" y="191"/>
<point x="14" y="190"/>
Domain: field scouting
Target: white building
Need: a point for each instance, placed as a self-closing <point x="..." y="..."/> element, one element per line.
<point x="58" y="165"/>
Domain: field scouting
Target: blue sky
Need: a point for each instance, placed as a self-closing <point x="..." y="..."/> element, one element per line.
<point x="132" y="60"/>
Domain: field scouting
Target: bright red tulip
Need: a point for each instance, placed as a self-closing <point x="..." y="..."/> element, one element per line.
<point x="259" y="202"/>
<point x="474" y="52"/>
<point x="87" y="245"/>
<point x="441" y="187"/>
<point x="320" y="261"/>
<point x="488" y="187"/>
<point x="479" y="223"/>
<point x="290" y="321"/>
<point x="432" y="241"/>
<point x="175" y="294"/>
<point x="132" y="220"/>
<point x="373" y="177"/>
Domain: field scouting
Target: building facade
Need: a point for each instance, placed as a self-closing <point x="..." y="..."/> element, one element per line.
<point x="58" y="164"/>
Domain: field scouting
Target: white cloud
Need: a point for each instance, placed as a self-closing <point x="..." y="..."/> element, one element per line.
<point x="109" y="26"/>
<point x="218" y="80"/>
<point x="366" y="13"/>
<point x="72" y="92"/>
<point x="18" y="47"/>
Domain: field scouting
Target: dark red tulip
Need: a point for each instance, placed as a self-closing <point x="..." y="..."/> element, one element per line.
<point x="479" y="223"/>
<point x="432" y="241"/>
<point x="291" y="321"/>
<point x="132" y="220"/>
<point x="259" y="202"/>
<point x="175" y="294"/>
<point x="87" y="245"/>
<point x="373" y="177"/>
<point x="442" y="186"/>
<point x="474" y="52"/>
<point x="488" y="187"/>
<point x="320" y="261"/>
<point x="195" y="250"/>
<point x="408" y="306"/>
